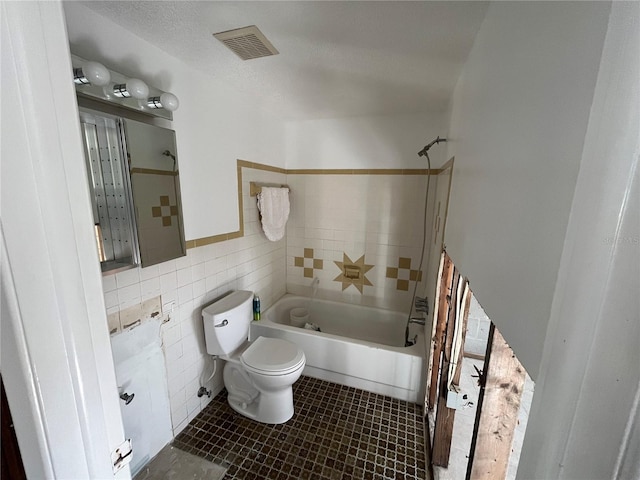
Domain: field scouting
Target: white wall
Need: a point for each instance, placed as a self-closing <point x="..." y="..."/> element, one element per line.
<point x="215" y="125"/>
<point x="583" y="415"/>
<point x="364" y="142"/>
<point x="519" y="116"/>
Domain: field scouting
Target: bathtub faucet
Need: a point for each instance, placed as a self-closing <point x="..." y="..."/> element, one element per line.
<point x="418" y="320"/>
<point x="422" y="305"/>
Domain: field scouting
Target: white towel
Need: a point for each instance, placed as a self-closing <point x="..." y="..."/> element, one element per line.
<point x="273" y="204"/>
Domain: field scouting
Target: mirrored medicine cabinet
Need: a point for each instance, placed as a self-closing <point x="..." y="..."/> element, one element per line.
<point x="135" y="190"/>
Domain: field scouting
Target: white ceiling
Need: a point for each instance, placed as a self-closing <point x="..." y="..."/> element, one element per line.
<point x="336" y="59"/>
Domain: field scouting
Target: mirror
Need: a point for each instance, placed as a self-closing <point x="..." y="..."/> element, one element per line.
<point x="155" y="185"/>
<point x="135" y="191"/>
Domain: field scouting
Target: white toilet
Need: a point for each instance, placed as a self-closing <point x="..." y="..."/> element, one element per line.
<point x="258" y="375"/>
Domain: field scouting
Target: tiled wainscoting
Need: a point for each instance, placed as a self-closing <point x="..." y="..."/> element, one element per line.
<point x="371" y="222"/>
<point x="204" y="274"/>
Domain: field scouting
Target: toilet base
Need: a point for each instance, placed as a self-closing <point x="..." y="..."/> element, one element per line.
<point x="271" y="408"/>
<point x="265" y="406"/>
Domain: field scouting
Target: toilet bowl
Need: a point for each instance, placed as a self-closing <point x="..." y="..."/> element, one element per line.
<point x="259" y="380"/>
<point x="258" y="375"/>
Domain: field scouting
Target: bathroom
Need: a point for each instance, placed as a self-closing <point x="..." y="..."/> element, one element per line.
<point x="383" y="223"/>
<point x="217" y="126"/>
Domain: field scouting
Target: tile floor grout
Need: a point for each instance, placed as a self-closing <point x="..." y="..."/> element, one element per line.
<point x="336" y="432"/>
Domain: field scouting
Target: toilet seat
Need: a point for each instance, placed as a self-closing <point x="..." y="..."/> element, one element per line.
<point x="272" y="356"/>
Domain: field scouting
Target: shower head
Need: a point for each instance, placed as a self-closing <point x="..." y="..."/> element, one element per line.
<point x="167" y="153"/>
<point x="426" y="148"/>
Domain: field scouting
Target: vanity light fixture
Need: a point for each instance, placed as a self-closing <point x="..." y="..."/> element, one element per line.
<point x="93" y="81"/>
<point x="91" y="73"/>
<point x="167" y="101"/>
<point x="132" y="88"/>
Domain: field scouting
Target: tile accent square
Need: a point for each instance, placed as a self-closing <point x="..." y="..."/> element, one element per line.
<point x="308" y="263"/>
<point x="403" y="274"/>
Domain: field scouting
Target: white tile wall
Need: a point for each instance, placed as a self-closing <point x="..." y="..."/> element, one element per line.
<point x="478" y="325"/>
<point x="380" y="216"/>
<point x="204" y="274"/>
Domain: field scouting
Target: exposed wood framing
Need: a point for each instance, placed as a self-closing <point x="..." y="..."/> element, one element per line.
<point x="440" y="325"/>
<point x="445" y="416"/>
<point x="432" y="342"/>
<point x="464" y="319"/>
<point x="498" y="407"/>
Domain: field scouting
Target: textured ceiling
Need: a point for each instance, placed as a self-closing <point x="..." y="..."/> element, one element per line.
<point x="336" y="59"/>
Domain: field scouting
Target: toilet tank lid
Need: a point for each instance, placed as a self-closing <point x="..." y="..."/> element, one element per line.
<point x="272" y="355"/>
<point x="227" y="303"/>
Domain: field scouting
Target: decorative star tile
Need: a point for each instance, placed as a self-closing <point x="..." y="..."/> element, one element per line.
<point x="353" y="273"/>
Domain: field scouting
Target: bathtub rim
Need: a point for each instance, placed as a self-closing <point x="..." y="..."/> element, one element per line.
<point x="417" y="349"/>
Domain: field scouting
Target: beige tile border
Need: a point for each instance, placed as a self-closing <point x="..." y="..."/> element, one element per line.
<point x="260" y="166"/>
<point x="199" y="242"/>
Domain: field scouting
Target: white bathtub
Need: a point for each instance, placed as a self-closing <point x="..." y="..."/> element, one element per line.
<point x="358" y="346"/>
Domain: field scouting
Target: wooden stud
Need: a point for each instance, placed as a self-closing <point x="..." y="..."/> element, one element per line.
<point x="440" y="328"/>
<point x="498" y="409"/>
<point x="430" y="357"/>
<point x="465" y="317"/>
<point x="434" y="328"/>
<point x="445" y="417"/>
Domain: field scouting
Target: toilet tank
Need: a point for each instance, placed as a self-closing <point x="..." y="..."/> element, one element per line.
<point x="226" y="322"/>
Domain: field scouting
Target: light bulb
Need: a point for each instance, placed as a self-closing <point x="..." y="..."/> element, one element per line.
<point x="137" y="88"/>
<point x="133" y="88"/>
<point x="169" y="101"/>
<point x="93" y="73"/>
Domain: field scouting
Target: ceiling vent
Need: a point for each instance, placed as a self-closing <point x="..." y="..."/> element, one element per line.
<point x="247" y="42"/>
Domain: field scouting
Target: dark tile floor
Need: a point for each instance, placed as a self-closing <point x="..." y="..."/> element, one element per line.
<point x="337" y="432"/>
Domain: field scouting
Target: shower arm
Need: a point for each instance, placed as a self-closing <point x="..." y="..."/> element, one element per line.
<point x="426" y="148"/>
